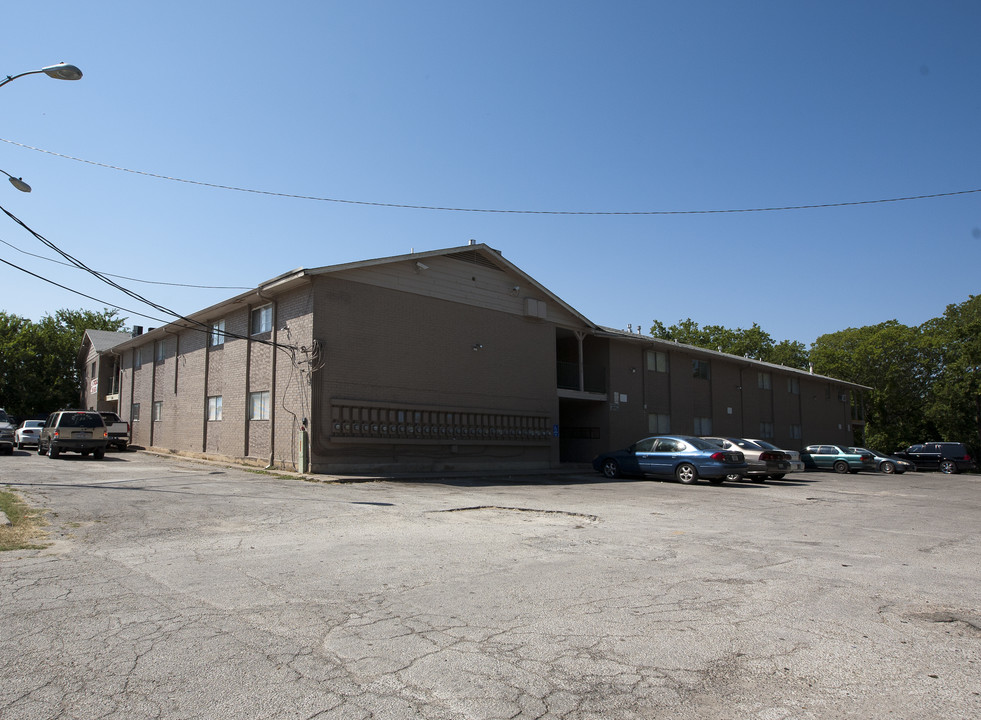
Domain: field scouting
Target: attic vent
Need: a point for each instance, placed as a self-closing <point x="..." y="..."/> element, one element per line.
<point x="474" y="258"/>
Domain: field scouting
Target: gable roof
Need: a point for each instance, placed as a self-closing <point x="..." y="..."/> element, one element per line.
<point x="100" y="341"/>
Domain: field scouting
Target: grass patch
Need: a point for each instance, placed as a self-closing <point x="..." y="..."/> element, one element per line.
<point x="26" y="531"/>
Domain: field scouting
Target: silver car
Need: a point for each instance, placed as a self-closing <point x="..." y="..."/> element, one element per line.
<point x="796" y="464"/>
<point x="763" y="462"/>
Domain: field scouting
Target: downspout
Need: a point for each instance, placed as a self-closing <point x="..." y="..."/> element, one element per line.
<point x="272" y="388"/>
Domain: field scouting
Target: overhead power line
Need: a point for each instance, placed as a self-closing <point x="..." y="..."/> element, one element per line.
<point x="124" y="277"/>
<point x="814" y="206"/>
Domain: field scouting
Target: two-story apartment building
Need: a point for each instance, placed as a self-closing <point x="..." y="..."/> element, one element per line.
<point x="449" y="359"/>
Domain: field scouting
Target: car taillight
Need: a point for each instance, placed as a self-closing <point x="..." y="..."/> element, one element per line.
<point x="772" y="455"/>
<point x="719" y="456"/>
<point x="55" y="433"/>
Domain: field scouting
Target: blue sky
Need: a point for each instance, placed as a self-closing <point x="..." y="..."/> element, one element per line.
<point x="606" y="107"/>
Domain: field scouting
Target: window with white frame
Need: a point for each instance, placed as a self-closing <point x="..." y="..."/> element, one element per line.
<point x="766" y="430"/>
<point x="137" y="358"/>
<point x="217" y="336"/>
<point x="657" y="361"/>
<point x="214" y="407"/>
<point x="701" y="369"/>
<point x="658" y="423"/>
<point x="259" y="405"/>
<point x="134" y="412"/>
<point x="159" y="351"/>
<point x="703" y="426"/>
<point x="158" y="410"/>
<point x="764" y="381"/>
<point x="262" y="319"/>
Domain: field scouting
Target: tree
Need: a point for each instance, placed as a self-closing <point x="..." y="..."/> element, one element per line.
<point x="753" y="342"/>
<point x="38" y="361"/>
<point x="953" y="404"/>
<point x="890" y="359"/>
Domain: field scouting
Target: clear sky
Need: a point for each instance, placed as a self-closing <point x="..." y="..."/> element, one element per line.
<point x="533" y="105"/>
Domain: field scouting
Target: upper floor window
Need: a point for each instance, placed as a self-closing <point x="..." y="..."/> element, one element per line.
<point x="657" y="361"/>
<point x="763" y="380"/>
<point x="262" y="319"/>
<point x="137" y="358"/>
<point x="159" y="351"/>
<point x="217" y="336"/>
<point x="701" y="369"/>
<point x="793" y="385"/>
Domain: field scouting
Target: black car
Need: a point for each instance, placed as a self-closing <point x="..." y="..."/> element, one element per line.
<point x="947" y="457"/>
<point x="81" y="431"/>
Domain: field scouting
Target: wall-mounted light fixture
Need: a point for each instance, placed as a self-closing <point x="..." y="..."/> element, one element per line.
<point x="477" y="346"/>
<point x="420" y="266"/>
<point x="514" y="291"/>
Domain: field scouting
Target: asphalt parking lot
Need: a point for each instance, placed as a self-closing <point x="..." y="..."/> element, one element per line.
<point x="181" y="589"/>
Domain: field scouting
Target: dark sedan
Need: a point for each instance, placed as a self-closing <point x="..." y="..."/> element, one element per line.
<point x="682" y="457"/>
<point x="840" y="458"/>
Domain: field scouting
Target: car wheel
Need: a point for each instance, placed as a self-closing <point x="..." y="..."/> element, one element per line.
<point x="85" y="453"/>
<point x="40" y="449"/>
<point x="887" y="467"/>
<point x="611" y="468"/>
<point x="686" y="473"/>
<point x="99" y="454"/>
<point x="778" y="476"/>
<point x="841" y="467"/>
<point x="52" y="452"/>
<point x="733" y="477"/>
<point x="948" y="467"/>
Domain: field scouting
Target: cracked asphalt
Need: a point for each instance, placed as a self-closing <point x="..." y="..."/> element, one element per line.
<point x="182" y="589"/>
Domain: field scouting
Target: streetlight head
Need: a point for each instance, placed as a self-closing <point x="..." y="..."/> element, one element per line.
<point x="62" y="71"/>
<point x="20" y="184"/>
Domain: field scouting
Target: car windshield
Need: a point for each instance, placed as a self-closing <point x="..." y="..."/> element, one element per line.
<point x="84" y="420"/>
<point x="746" y="444"/>
<point x="765" y="445"/>
<point x="700" y="444"/>
<point x="3" y="416"/>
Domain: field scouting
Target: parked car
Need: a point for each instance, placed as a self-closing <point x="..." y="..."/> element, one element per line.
<point x="796" y="464"/>
<point x="81" y="431"/>
<point x="888" y="464"/>
<point x="840" y="458"/>
<point x="6" y="434"/>
<point x="28" y="432"/>
<point x="762" y="463"/>
<point x="682" y="457"/>
<point x="947" y="457"/>
<point x="118" y="429"/>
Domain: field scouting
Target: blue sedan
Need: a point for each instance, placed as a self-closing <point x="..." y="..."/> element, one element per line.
<point x="682" y="457"/>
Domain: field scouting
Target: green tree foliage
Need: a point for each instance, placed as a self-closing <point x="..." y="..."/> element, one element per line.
<point x="753" y="342"/>
<point x="890" y="359"/>
<point x="38" y="361"/>
<point x="953" y="345"/>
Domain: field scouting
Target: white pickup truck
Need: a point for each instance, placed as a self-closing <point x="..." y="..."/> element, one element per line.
<point x="118" y="430"/>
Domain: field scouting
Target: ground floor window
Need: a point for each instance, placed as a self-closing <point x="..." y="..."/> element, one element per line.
<point x="795" y="432"/>
<point x="703" y="426"/>
<point x="214" y="407"/>
<point x="158" y="410"/>
<point x="766" y="430"/>
<point x="259" y="405"/>
<point x="134" y="412"/>
<point x="658" y="423"/>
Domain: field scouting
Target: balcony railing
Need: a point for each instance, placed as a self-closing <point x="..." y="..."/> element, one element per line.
<point x="593" y="377"/>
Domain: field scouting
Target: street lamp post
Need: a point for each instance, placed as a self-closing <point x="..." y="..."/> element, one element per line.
<point x="61" y="71"/>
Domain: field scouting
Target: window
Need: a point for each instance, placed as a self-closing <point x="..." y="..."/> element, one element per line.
<point x="763" y="381"/>
<point x="658" y="423"/>
<point x="134" y="412"/>
<point x="766" y="430"/>
<point x="795" y="432"/>
<point x="158" y="410"/>
<point x="259" y="405"/>
<point x="703" y="426"/>
<point x="137" y="358"/>
<point x="93" y="370"/>
<point x="159" y="351"/>
<point x="217" y="336"/>
<point x="701" y="369"/>
<point x="214" y="407"/>
<point x="262" y="319"/>
<point x="657" y="361"/>
<point x="793" y="385"/>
